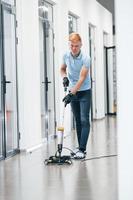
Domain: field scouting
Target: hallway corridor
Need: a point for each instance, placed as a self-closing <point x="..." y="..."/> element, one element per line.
<point x="25" y="177"/>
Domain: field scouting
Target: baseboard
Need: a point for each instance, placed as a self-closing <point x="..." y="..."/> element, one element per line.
<point x="31" y="148"/>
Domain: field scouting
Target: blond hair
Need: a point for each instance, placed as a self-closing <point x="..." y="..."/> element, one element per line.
<point x="74" y="37"/>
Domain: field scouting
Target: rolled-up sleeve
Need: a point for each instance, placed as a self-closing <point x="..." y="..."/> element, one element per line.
<point x="87" y="62"/>
<point x="64" y="59"/>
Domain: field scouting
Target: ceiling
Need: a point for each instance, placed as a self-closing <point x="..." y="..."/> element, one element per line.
<point x="109" y="5"/>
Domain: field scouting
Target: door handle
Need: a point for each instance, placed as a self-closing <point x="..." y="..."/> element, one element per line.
<point x="7" y="81"/>
<point x="4" y="83"/>
<point x="46" y="83"/>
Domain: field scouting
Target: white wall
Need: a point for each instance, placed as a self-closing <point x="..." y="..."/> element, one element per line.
<point x="28" y="73"/>
<point x="124" y="44"/>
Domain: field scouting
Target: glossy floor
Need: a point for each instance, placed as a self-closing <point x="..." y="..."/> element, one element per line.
<point x="25" y="177"/>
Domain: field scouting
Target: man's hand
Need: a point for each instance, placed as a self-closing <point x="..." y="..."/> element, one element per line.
<point x="68" y="98"/>
<point x="65" y="82"/>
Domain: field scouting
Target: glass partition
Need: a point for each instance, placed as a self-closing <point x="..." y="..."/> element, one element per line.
<point x="9" y="137"/>
<point x="10" y="80"/>
<point x="11" y="2"/>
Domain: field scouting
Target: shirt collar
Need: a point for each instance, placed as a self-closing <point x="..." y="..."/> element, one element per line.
<point x="76" y="57"/>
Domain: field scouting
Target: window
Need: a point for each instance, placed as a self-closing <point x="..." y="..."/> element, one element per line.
<point x="72" y="23"/>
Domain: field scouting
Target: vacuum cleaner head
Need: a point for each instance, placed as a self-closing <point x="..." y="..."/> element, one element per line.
<point x="60" y="160"/>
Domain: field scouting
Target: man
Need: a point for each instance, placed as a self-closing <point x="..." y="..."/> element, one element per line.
<point x="75" y="73"/>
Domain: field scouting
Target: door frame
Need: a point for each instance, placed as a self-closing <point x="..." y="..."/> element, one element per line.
<point x="46" y="25"/>
<point x="2" y="96"/>
<point x="107" y="78"/>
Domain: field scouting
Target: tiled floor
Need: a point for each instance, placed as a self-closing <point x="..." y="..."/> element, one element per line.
<point x="25" y="177"/>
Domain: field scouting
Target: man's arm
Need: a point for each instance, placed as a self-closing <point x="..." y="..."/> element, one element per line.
<point x="63" y="70"/>
<point x="83" y="74"/>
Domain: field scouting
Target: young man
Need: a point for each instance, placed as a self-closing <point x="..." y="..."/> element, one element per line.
<point x="75" y="73"/>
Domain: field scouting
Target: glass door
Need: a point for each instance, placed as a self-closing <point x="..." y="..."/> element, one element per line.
<point x="109" y="61"/>
<point x="47" y="69"/>
<point x="9" y="81"/>
<point x="93" y="70"/>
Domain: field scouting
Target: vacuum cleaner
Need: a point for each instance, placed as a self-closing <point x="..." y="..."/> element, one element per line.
<point x="58" y="158"/>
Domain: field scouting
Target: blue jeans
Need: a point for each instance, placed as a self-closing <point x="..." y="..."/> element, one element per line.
<point x="81" y="110"/>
